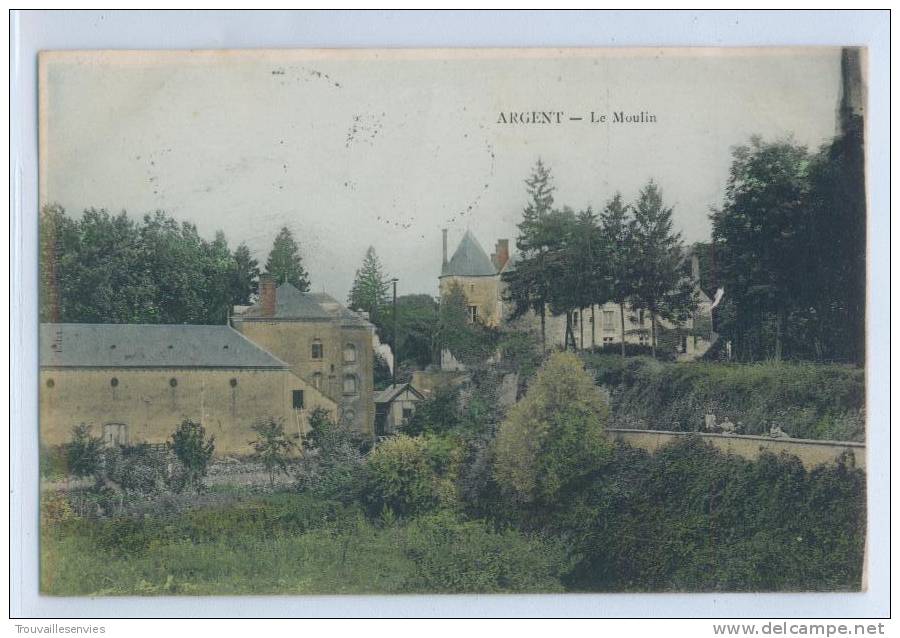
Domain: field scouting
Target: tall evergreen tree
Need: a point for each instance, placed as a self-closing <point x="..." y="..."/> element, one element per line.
<point x="616" y="228"/>
<point x="285" y="263"/>
<point x="369" y="292"/>
<point x="529" y="284"/>
<point x="659" y="284"/>
<point x="244" y="276"/>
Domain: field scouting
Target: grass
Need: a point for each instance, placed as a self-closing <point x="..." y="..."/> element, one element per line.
<point x="286" y="543"/>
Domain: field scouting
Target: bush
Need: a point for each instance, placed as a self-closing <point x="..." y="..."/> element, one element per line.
<point x="194" y="451"/>
<point x="555" y="435"/>
<point x="456" y="556"/>
<point x="399" y="477"/>
<point x="690" y="518"/>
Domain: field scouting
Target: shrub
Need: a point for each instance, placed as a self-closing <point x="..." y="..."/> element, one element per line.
<point x="272" y="447"/>
<point x="83" y="453"/>
<point x="555" y="435"/>
<point x="456" y="556"/>
<point x="399" y="477"/>
<point x="193" y="450"/>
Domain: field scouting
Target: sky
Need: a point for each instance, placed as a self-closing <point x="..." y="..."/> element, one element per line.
<point x="385" y="148"/>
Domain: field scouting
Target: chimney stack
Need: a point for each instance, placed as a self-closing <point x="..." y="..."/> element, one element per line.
<point x="695" y="268"/>
<point x="501" y="254"/>
<point x="444" y="263"/>
<point x="267" y="295"/>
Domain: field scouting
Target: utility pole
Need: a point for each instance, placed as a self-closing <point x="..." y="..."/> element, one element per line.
<point x="394" y="338"/>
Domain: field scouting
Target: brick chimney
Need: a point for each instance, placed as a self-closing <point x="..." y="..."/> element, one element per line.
<point x="267" y="295"/>
<point x="501" y="254"/>
<point x="444" y="262"/>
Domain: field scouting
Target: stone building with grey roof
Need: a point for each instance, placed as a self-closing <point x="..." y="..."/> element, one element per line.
<point x="324" y="343"/>
<point x="136" y="383"/>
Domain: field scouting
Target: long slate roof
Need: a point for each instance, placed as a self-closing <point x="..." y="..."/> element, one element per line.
<point x="290" y="303"/>
<point x="469" y="260"/>
<point x="84" y="345"/>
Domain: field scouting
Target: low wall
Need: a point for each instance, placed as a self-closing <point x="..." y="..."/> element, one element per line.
<point x="810" y="452"/>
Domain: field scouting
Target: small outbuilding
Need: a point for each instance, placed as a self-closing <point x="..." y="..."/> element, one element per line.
<point x="394" y="407"/>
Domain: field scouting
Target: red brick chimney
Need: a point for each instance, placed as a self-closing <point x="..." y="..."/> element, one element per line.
<point x="501" y="253"/>
<point x="267" y="295"/>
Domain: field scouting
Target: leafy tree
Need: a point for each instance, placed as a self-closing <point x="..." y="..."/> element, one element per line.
<point x="658" y="282"/>
<point x="84" y="452"/>
<point x="272" y="446"/>
<point x="105" y="268"/>
<point x="418" y="318"/>
<point x="285" y="263"/>
<point x="244" y="280"/>
<point x="529" y="284"/>
<point x="369" y="292"/>
<point x="438" y="413"/>
<point x="617" y="230"/>
<point x="399" y="477"/>
<point x="332" y="467"/>
<point x="471" y="343"/>
<point x="554" y="437"/>
<point x="193" y="450"/>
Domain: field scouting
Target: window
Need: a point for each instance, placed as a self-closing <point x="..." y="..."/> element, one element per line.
<point x="683" y="343"/>
<point x="297" y="399"/>
<point x="233" y="383"/>
<point x="643" y="340"/>
<point x="575" y="318"/>
<point x="609" y="320"/>
<point x="115" y="434"/>
<point x="349" y="416"/>
<point x="350" y="384"/>
<point x="607" y="340"/>
<point x="641" y="317"/>
<point x="50" y="383"/>
<point x="349" y="353"/>
<point x="473" y="314"/>
<point x="114" y="382"/>
<point x="317" y="380"/>
<point x="407" y="414"/>
<point x="318" y="350"/>
<point x="172" y="382"/>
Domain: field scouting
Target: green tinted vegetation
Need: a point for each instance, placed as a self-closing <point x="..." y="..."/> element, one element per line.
<point x="810" y="401"/>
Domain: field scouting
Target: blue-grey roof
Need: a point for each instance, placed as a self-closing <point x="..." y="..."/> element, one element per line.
<point x="94" y="345"/>
<point x="290" y="303"/>
<point x="469" y="260"/>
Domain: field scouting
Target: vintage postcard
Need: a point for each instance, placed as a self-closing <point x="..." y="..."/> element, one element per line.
<point x="452" y="321"/>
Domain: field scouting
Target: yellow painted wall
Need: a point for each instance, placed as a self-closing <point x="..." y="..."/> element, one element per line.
<point x="482" y="292"/>
<point x="291" y="341"/>
<point x="152" y="408"/>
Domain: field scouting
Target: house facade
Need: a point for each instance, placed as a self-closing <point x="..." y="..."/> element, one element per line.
<point x="394" y="407"/>
<point x="480" y="278"/>
<point x="323" y="343"/>
<point x="137" y="383"/>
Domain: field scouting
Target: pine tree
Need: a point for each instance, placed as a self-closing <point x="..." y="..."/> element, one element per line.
<point x="529" y="284"/>
<point x="370" y="287"/>
<point x="658" y="281"/>
<point x="244" y="279"/>
<point x="285" y="263"/>
<point x="617" y="236"/>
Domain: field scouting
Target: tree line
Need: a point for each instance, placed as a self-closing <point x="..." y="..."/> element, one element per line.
<point x="628" y="254"/>
<point x="110" y="268"/>
<point x="789" y="248"/>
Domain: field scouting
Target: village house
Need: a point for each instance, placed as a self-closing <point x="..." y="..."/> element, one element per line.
<point x="394" y="407"/>
<point x="283" y="358"/>
<point x="480" y="278"/>
<point x="137" y="383"/>
<point x="324" y="343"/>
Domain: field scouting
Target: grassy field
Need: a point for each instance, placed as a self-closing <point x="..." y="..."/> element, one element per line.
<point x="286" y="543"/>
